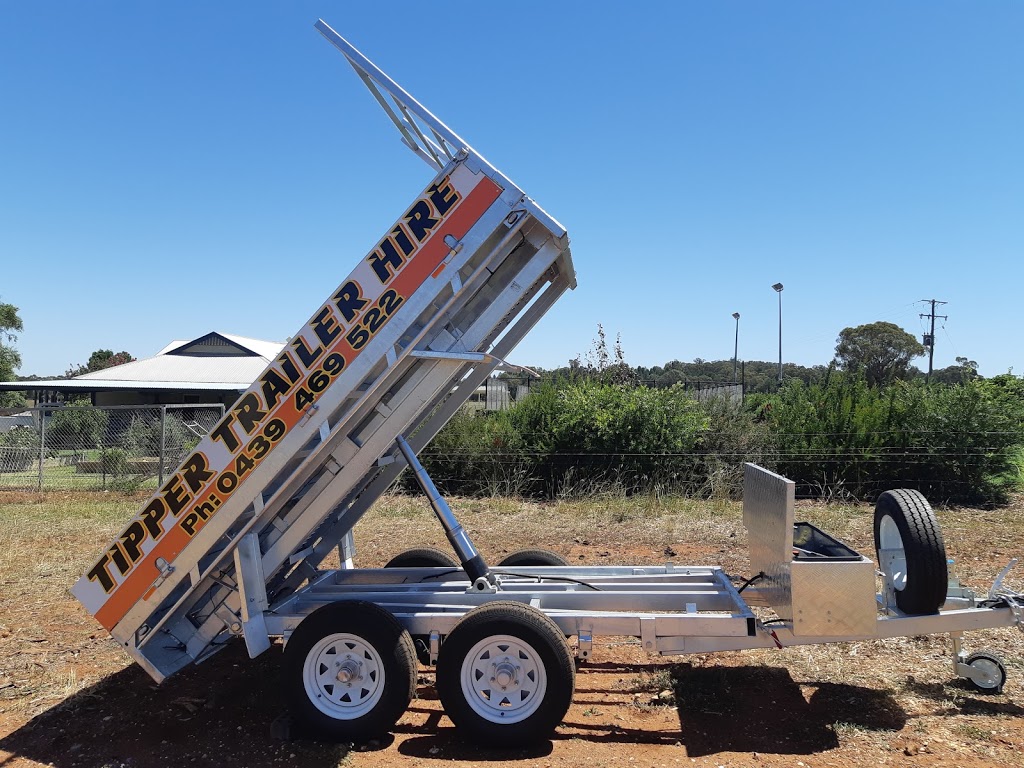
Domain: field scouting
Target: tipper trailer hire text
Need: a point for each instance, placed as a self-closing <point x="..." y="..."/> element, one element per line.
<point x="290" y="386"/>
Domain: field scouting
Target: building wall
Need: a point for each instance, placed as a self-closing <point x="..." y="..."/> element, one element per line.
<point x="164" y="397"/>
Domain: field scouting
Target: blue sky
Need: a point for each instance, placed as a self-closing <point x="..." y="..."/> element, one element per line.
<point x="171" y="169"/>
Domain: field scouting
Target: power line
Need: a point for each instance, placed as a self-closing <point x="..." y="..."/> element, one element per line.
<point x="929" y="338"/>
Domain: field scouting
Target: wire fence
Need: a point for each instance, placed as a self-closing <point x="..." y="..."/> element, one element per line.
<point x="130" y="448"/>
<point x="70" y="447"/>
<point x="983" y="472"/>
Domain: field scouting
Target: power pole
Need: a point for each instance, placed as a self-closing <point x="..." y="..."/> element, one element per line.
<point x="929" y="338"/>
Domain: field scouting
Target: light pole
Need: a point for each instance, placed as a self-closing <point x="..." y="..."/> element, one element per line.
<point x="778" y="289"/>
<point x="736" y="348"/>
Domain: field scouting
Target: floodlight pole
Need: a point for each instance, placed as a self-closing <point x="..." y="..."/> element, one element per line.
<point x="736" y="347"/>
<point x="778" y="289"/>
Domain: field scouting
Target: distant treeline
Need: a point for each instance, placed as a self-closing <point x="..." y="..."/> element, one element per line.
<point x="755" y="375"/>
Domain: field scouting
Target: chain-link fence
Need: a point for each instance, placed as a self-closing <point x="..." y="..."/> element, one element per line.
<point x="501" y="393"/>
<point x="70" y="447"/>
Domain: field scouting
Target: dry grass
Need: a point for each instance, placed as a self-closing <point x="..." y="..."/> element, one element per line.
<point x="46" y="542"/>
<point x="51" y="650"/>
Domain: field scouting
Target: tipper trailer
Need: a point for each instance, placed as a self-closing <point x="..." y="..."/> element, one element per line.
<point x="233" y="543"/>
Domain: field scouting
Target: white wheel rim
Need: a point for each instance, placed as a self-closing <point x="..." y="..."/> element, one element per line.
<point x="503" y="679"/>
<point x="991" y="675"/>
<point x="343" y="676"/>
<point x="889" y="538"/>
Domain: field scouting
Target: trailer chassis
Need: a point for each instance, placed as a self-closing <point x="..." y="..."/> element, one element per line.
<point x="671" y="609"/>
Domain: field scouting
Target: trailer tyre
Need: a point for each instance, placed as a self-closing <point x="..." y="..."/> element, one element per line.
<point x="528" y="557"/>
<point x="906" y="524"/>
<point x="505" y="675"/>
<point x="423" y="557"/>
<point x="350" y="671"/>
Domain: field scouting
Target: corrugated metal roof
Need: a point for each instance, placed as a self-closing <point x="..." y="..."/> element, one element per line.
<point x="184" y="369"/>
<point x="267" y="349"/>
<point x="78" y="385"/>
<point x="173" y="371"/>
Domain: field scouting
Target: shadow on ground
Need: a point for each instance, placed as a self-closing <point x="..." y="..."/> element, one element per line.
<point x="445" y="745"/>
<point x="222" y="713"/>
<point x="958" y="697"/>
<point x="762" y="709"/>
<point x="216" y="714"/>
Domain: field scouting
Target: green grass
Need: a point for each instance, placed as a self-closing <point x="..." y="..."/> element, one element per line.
<point x="66" y="478"/>
<point x="26" y="521"/>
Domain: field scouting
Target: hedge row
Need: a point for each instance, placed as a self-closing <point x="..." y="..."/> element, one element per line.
<point x="839" y="437"/>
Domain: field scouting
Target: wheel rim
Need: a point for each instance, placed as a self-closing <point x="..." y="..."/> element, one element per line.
<point x="889" y="537"/>
<point x="991" y="675"/>
<point x="343" y="676"/>
<point x="503" y="679"/>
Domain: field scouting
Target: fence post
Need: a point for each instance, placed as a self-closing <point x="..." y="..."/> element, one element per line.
<point x="42" y="445"/>
<point x="163" y="433"/>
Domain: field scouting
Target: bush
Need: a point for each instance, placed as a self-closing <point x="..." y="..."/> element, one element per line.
<point x="114" y="461"/>
<point x="19" y="448"/>
<point x="733" y="437"/>
<point x="953" y="443"/>
<point x="127" y="484"/>
<point x="637" y="437"/>
<point x="837" y="437"/>
<point x="142" y="438"/>
<point x="579" y="436"/>
<point x="477" y="454"/>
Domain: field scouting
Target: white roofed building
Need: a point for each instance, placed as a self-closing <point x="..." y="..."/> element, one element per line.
<point x="215" y="368"/>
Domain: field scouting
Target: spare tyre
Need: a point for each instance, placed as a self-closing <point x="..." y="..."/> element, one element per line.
<point x="908" y="533"/>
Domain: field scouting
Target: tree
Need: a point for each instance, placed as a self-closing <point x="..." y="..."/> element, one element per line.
<point x="757" y="375"/>
<point x="880" y="351"/>
<point x="100" y="360"/>
<point x="10" y="360"/>
<point x="597" y="363"/>
<point x="964" y="370"/>
<point x="76" y="428"/>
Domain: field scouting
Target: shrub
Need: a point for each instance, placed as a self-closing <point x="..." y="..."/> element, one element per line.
<point x="114" y="461"/>
<point x="477" y="454"/>
<point x="953" y="443"/>
<point x="638" y="437"/>
<point x="733" y="437"/>
<point x="19" y="447"/>
<point x="835" y="437"/>
<point x="142" y="438"/>
<point x="579" y="435"/>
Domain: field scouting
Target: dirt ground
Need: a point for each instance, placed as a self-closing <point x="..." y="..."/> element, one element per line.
<point x="70" y="697"/>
